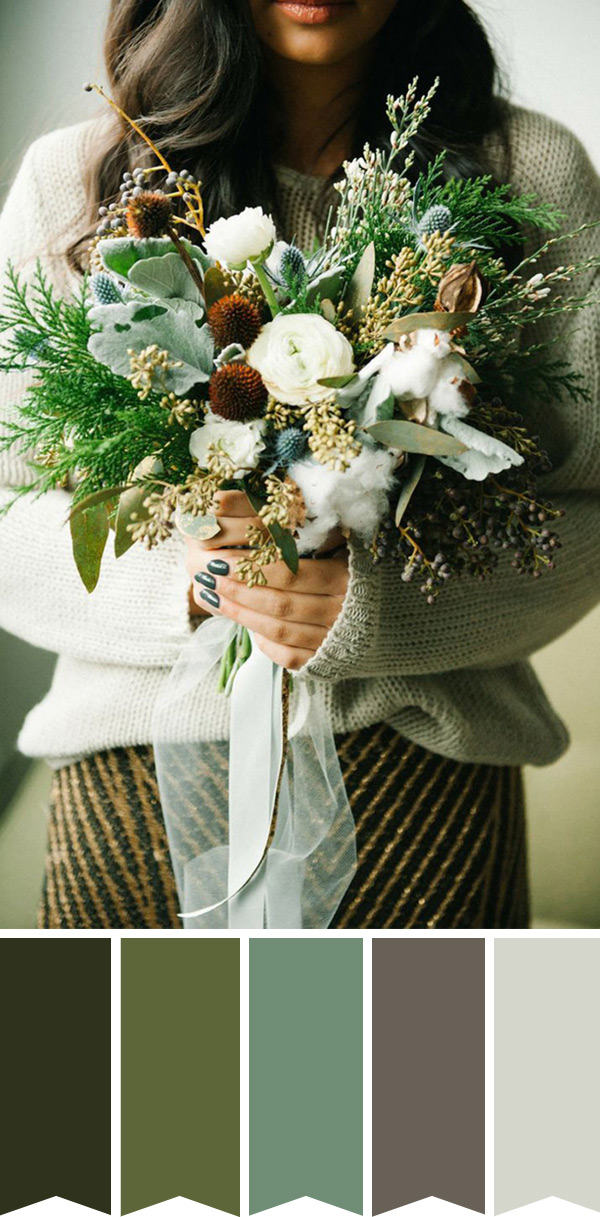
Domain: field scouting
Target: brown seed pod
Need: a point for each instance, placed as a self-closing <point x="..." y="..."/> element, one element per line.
<point x="237" y="393"/>
<point x="462" y="289"/>
<point x="148" y="215"/>
<point x="234" y="319"/>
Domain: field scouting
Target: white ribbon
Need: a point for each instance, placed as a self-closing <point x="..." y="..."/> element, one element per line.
<point x="219" y="797"/>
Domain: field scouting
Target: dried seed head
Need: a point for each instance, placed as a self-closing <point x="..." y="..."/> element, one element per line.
<point x="148" y="214"/>
<point x="237" y="393"/>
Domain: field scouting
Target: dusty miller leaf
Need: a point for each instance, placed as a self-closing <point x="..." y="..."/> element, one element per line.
<point x="166" y="278"/>
<point x="178" y="329"/>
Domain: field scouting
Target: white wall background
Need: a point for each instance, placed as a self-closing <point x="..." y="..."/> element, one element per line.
<point x="550" y="50"/>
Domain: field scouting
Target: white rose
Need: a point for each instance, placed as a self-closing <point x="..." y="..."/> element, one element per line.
<point x="296" y="350"/>
<point x="241" y="443"/>
<point x="237" y="239"/>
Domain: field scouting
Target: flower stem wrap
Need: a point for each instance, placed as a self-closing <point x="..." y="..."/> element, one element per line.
<point x="259" y="826"/>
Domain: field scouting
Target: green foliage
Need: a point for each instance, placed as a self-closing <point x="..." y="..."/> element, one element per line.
<point x="78" y="415"/>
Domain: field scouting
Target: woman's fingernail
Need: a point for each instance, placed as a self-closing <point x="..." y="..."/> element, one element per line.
<point x="207" y="580"/>
<point x="211" y="598"/>
<point x="218" y="567"/>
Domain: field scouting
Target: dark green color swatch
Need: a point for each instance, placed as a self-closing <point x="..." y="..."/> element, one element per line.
<point x="55" y="1111"/>
<point x="180" y="1070"/>
<point x="306" y="1071"/>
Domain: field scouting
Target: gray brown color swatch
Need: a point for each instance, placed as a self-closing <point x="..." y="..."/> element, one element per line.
<point x="428" y="1071"/>
<point x="547" y="1071"/>
<point x="306" y="1111"/>
<point x="55" y="1111"/>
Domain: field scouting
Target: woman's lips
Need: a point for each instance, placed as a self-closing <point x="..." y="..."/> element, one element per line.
<point x="307" y="12"/>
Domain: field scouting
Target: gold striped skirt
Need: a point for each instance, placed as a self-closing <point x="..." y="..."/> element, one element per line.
<point x="441" y="843"/>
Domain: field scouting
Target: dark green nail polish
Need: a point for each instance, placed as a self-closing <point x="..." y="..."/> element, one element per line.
<point x="206" y="580"/>
<point x="211" y="598"/>
<point x="218" y="567"/>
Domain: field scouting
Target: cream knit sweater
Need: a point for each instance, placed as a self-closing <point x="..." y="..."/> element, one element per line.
<point x="454" y="678"/>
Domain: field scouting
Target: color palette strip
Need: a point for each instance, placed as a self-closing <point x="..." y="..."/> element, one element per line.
<point x="55" y="1035"/>
<point x="181" y="1018"/>
<point x="306" y="1098"/>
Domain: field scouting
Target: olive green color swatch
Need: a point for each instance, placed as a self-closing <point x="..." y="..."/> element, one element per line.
<point x="180" y="1071"/>
<point x="306" y="1071"/>
<point x="428" y="1071"/>
<point x="55" y="1111"/>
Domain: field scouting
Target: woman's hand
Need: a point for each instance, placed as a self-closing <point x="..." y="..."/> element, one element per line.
<point x="289" y="617"/>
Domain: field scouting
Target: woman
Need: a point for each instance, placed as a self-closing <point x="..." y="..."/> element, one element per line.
<point x="434" y="711"/>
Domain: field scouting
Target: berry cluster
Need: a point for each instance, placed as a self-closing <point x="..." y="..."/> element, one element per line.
<point x="454" y="526"/>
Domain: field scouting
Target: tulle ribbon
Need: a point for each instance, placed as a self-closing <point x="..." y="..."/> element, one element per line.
<point x="260" y="830"/>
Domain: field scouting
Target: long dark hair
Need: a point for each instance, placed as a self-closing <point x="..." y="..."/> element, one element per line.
<point x="192" y="73"/>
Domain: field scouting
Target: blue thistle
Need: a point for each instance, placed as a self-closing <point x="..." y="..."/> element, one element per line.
<point x="104" y="289"/>
<point x="289" y="446"/>
<point x="292" y="268"/>
<point x="436" y="219"/>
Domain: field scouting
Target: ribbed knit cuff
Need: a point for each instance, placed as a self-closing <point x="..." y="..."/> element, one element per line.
<point x="355" y="633"/>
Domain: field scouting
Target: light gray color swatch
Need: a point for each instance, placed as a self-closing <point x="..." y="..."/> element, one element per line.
<point x="547" y="1071"/>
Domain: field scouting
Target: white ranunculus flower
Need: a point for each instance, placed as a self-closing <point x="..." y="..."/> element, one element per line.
<point x="236" y="240"/>
<point x="297" y="350"/>
<point x="483" y="455"/>
<point x="241" y="443"/>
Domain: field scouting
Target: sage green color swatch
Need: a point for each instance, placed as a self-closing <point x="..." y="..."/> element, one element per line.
<point x="547" y="1071"/>
<point x="306" y="1071"/>
<point x="55" y="1111"/>
<point x="180" y="1071"/>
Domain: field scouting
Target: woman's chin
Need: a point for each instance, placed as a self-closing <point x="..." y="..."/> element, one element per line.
<point x="318" y="31"/>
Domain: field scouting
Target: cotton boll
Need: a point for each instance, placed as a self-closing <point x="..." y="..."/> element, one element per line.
<point x="363" y="491"/>
<point x="412" y="372"/>
<point x="437" y="342"/>
<point x="317" y="483"/>
<point x="356" y="499"/>
<point x="446" y="396"/>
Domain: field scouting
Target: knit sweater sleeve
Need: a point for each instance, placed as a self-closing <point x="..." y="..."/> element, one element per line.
<point x="385" y="627"/>
<point x="139" y="612"/>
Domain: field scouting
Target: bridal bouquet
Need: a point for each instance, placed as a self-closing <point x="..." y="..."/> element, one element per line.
<point x="371" y="386"/>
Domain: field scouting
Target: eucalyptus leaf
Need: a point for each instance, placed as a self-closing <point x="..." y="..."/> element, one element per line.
<point x="326" y="286"/>
<point x="178" y="330"/>
<point x="166" y="277"/>
<point x="99" y="496"/>
<point x="282" y="538"/>
<point x="409" y="487"/>
<point x="131" y="502"/>
<point x="414" y="437"/>
<point x="287" y="545"/>
<point x="360" y="286"/>
<point x="89" y="534"/>
<point x="425" y="321"/>
<point x="337" y="382"/>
